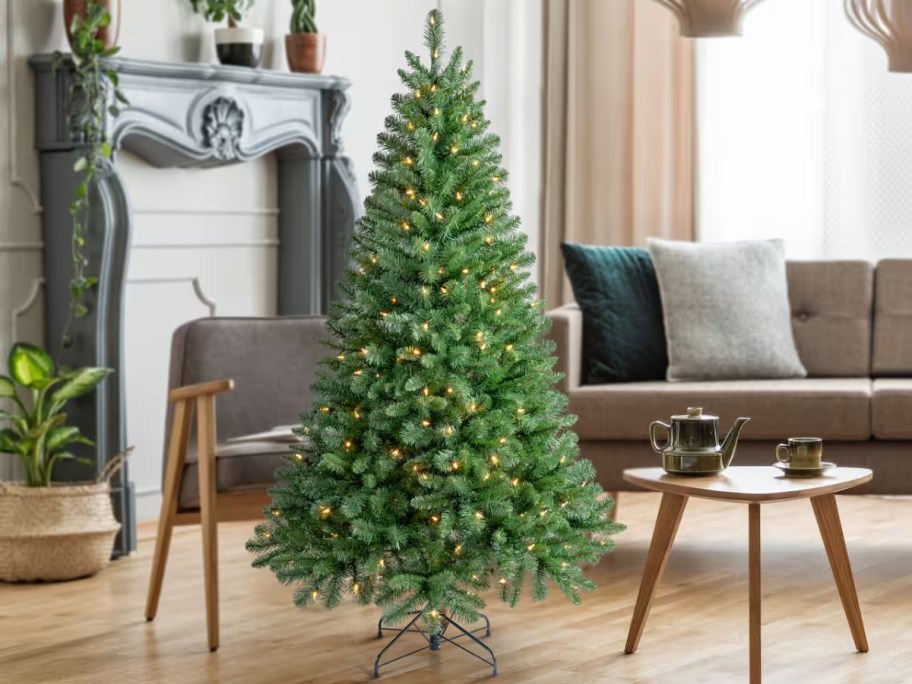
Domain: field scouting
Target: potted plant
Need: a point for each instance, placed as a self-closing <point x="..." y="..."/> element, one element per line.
<point x="304" y="46"/>
<point x="50" y="531"/>
<point x="96" y="93"/>
<point x="235" y="45"/>
<point x="80" y="8"/>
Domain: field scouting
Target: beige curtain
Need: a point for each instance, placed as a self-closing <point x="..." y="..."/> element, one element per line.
<point x="618" y="130"/>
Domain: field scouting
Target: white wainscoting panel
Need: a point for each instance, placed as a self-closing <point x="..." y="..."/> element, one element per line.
<point x="205" y="242"/>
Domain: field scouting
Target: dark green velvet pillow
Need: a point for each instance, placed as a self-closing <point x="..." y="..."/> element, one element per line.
<point x="623" y="332"/>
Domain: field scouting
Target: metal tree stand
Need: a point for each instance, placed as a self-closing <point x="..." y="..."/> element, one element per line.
<point x="434" y="640"/>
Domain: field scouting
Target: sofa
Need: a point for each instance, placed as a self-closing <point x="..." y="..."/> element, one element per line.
<point x="852" y="322"/>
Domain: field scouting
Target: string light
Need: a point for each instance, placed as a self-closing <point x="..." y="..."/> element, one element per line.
<point x="364" y="351"/>
<point x="436" y="111"/>
<point x="488" y="240"/>
<point x="325" y="511"/>
<point x="439" y="216"/>
<point x="530" y="547"/>
<point x="465" y="118"/>
<point x="515" y="482"/>
<point x="358" y="373"/>
<point x="395" y="453"/>
<point x="441" y="270"/>
<point x="475" y="162"/>
<point x="436" y="56"/>
<point x="432" y="20"/>
<point x="299" y="457"/>
<point x="426" y="246"/>
<point x="434" y="614"/>
<point x="276" y="512"/>
<point x="458" y="196"/>
<point x="409" y="126"/>
<point x="458" y="549"/>
<point x="426" y="391"/>
<point x="405" y="225"/>
<point x="479" y="515"/>
<point x="499" y="311"/>
<point x="455" y="465"/>
<point x="465" y="271"/>
<point x="422" y="202"/>
<point x="348" y="444"/>
<point x="472" y="407"/>
<point x="448" y="430"/>
<point x="408" y="161"/>
<point x="434" y="136"/>
<point x="425" y="326"/>
<point x="356" y="414"/>
<point x="373" y="258"/>
<point x="449" y="390"/>
<point x="496" y="179"/>
<point x="474" y="124"/>
<point x="443" y="289"/>
<point x="502" y="440"/>
<point x="393" y="300"/>
<point x="314" y="595"/>
<point x="410" y="193"/>
<point x="418" y="94"/>
<point x="483" y="284"/>
<point x="356" y="588"/>
<point x="509" y="347"/>
<point x="324" y="410"/>
<point x="425" y="423"/>
<point x="384" y="314"/>
<point x="341" y="357"/>
<point x="495" y="459"/>
<point x="434" y="85"/>
<point x="489" y="218"/>
<point x="266" y="534"/>
<point x="435" y="519"/>
<point x="425" y="290"/>
<point x="503" y="580"/>
<point x="521" y="411"/>
<point x="416" y="352"/>
<point x="454" y="150"/>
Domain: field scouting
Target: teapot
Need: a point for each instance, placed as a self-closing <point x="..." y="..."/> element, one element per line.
<point x="692" y="446"/>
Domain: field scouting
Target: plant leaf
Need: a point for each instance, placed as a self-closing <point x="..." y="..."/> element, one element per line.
<point x="7" y="387"/>
<point x="81" y="382"/>
<point x="30" y="366"/>
<point x="59" y="437"/>
<point x="9" y="442"/>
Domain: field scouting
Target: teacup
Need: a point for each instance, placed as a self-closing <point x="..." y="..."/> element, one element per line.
<point x="801" y="452"/>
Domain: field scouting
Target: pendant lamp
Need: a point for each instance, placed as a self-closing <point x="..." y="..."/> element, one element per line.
<point x="709" y="18"/>
<point x="889" y="22"/>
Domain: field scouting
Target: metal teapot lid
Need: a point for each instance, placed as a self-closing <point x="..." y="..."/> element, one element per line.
<point x="695" y="413"/>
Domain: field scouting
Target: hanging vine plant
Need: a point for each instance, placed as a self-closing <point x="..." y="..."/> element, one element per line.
<point x="95" y="93"/>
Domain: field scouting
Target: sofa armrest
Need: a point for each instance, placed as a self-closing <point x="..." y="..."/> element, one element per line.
<point x="567" y="334"/>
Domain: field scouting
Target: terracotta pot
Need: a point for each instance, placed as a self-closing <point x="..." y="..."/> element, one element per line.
<point x="109" y="35"/>
<point x="306" y="52"/>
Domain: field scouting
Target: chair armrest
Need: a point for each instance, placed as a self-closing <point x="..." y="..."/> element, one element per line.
<point x="202" y="389"/>
<point x="567" y="334"/>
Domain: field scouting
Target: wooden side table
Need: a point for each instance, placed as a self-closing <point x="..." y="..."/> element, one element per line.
<point x="753" y="486"/>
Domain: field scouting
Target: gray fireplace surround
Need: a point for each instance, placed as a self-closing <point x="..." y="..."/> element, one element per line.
<point x="186" y="115"/>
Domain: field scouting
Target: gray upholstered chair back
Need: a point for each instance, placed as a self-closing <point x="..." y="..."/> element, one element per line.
<point x="273" y="362"/>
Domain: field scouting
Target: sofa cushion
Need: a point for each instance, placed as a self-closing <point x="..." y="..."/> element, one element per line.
<point x="893" y="318"/>
<point x="238" y="466"/>
<point x="726" y="310"/>
<point x="832" y="408"/>
<point x="891" y="410"/>
<point x="623" y="334"/>
<point x="831" y="316"/>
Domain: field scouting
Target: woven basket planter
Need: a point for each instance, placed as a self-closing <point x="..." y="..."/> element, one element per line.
<point x="55" y="533"/>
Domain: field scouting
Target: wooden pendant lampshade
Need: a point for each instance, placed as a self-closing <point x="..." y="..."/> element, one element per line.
<point x="709" y="18"/>
<point x="889" y="22"/>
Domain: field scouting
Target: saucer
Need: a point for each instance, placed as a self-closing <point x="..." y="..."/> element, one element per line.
<point x="804" y="472"/>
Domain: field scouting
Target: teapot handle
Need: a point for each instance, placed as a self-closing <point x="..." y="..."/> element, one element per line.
<point x="655" y="425"/>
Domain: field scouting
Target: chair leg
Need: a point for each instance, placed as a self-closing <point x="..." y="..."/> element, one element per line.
<point x="177" y="450"/>
<point x="208" y="515"/>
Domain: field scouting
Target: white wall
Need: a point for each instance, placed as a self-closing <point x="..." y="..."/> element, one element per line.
<point x="197" y="244"/>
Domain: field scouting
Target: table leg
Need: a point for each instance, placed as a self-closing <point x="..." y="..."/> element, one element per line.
<point x="834" y="541"/>
<point x="670" y="512"/>
<point x="754" y="590"/>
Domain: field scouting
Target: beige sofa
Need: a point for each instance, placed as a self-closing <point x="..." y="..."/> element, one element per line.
<point x="853" y="328"/>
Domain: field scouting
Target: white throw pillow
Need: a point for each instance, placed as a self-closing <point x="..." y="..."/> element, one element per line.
<point x="726" y="308"/>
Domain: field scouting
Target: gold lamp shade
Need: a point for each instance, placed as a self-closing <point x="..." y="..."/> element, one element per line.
<point x="709" y="18"/>
<point x="889" y="22"/>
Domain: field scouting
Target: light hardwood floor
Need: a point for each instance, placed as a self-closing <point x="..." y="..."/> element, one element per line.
<point x="93" y="631"/>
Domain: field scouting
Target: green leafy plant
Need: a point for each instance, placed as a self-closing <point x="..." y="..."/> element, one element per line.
<point x="95" y="93"/>
<point x="37" y="432"/>
<point x="303" y="16"/>
<point x="219" y="10"/>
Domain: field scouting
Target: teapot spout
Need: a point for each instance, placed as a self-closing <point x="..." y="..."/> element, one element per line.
<point x="731" y="442"/>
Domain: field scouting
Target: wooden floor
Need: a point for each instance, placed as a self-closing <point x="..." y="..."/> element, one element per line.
<point x="93" y="631"/>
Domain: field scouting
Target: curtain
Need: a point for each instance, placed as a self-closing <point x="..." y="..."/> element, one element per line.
<point x="805" y="136"/>
<point x="618" y="148"/>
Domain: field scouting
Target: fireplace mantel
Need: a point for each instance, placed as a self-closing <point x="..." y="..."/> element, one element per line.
<point x="187" y="115"/>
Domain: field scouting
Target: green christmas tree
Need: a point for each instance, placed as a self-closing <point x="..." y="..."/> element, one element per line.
<point x="439" y="460"/>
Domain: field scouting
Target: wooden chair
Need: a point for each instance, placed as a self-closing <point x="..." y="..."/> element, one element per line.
<point x="273" y="362"/>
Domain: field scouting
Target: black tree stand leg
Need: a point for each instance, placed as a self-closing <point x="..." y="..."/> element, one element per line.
<point x="434" y="641"/>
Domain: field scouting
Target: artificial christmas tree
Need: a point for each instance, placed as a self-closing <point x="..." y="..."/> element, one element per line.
<point x="438" y="458"/>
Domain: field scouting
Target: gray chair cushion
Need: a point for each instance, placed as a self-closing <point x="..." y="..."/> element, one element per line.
<point x="273" y="362"/>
